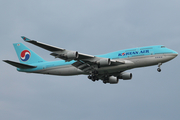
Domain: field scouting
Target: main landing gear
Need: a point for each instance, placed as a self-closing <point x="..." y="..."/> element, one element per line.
<point x="93" y="76"/>
<point x="105" y="79"/>
<point x="159" y="69"/>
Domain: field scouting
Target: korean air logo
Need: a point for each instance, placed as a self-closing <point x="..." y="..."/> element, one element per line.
<point x="133" y="53"/>
<point x="123" y="54"/>
<point x="25" y="55"/>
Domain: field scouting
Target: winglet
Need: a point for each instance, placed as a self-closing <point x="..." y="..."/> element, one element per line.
<point x="25" y="38"/>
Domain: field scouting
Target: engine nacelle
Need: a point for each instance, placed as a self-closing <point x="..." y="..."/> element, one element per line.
<point x="113" y="80"/>
<point x="104" y="62"/>
<point x="125" y="76"/>
<point x="72" y="55"/>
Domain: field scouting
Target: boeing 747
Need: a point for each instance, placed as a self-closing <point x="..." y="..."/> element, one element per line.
<point x="108" y="67"/>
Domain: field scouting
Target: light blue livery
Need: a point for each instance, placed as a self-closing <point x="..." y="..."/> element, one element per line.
<point x="108" y="67"/>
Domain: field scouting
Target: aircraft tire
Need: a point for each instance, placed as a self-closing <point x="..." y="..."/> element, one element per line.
<point x="159" y="70"/>
<point x="89" y="77"/>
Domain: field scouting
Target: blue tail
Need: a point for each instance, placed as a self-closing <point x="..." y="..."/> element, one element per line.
<point x="26" y="55"/>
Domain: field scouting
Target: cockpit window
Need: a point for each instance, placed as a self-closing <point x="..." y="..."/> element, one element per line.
<point x="162" y="46"/>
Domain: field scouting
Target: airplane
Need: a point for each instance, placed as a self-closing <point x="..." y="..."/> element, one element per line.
<point x="108" y="67"/>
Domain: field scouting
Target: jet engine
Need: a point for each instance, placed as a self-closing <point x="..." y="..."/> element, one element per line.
<point x="72" y="55"/>
<point x="125" y="76"/>
<point x="104" y="62"/>
<point x="113" y="80"/>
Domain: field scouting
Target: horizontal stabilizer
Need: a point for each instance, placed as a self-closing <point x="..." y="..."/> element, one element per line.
<point x="19" y="65"/>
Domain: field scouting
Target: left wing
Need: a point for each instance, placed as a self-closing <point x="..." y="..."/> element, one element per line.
<point x="83" y="62"/>
<point x="61" y="53"/>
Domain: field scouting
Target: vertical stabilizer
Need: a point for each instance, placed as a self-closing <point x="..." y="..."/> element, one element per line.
<point x="25" y="55"/>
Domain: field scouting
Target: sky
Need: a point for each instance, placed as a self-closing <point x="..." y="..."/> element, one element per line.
<point x="92" y="27"/>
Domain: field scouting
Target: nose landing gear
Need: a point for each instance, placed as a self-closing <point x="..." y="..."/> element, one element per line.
<point x="159" y="69"/>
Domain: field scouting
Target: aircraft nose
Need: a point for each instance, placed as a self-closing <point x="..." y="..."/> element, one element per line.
<point x="175" y="54"/>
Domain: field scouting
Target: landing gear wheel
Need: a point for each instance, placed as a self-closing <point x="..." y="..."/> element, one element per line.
<point x="93" y="80"/>
<point x="159" y="69"/>
<point x="90" y="77"/>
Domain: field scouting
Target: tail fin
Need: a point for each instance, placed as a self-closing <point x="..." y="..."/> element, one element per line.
<point x="26" y="55"/>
